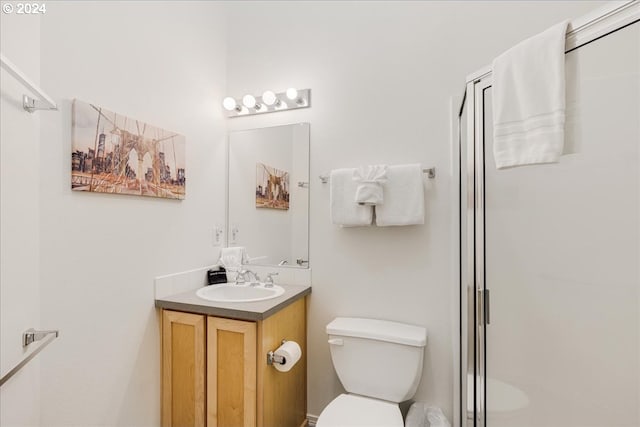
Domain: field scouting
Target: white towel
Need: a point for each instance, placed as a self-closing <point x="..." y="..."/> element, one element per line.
<point x="344" y="210"/>
<point x="529" y="100"/>
<point x="233" y="257"/>
<point x="403" y="197"/>
<point x="370" y="180"/>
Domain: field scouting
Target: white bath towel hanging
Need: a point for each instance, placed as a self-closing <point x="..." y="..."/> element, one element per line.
<point x="344" y="209"/>
<point x="529" y="100"/>
<point x="403" y="196"/>
<point x="370" y="180"/>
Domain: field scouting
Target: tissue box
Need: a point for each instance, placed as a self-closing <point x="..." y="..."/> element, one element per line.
<point x="216" y="275"/>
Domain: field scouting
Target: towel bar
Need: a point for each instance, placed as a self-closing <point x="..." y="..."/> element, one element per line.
<point x="431" y="173"/>
<point x="29" y="104"/>
<point x="28" y="337"/>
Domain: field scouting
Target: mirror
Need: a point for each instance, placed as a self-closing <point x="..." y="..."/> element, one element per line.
<point x="268" y="194"/>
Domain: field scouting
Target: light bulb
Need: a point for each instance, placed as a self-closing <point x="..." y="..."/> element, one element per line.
<point x="229" y="103"/>
<point x="292" y="93"/>
<point x="249" y="101"/>
<point x="269" y="98"/>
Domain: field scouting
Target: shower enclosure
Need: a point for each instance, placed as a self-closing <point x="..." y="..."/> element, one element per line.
<point x="550" y="254"/>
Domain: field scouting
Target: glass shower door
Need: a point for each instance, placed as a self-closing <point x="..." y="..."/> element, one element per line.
<point x="561" y="256"/>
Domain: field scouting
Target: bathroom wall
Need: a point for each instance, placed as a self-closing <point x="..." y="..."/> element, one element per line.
<point x="382" y="74"/>
<point x="163" y="63"/>
<point x="19" y="157"/>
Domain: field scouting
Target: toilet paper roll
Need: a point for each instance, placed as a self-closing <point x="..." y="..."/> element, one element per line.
<point x="291" y="352"/>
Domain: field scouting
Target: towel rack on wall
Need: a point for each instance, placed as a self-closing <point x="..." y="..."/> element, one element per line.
<point x="28" y="337"/>
<point x="29" y="104"/>
<point x="431" y="173"/>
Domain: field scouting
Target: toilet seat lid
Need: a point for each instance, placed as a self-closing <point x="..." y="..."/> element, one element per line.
<point x="348" y="410"/>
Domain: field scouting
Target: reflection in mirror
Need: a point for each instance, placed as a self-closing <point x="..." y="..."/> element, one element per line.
<point x="268" y="194"/>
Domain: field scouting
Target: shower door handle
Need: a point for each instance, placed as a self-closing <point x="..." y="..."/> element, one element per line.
<point x="487" y="306"/>
<point x="484" y="304"/>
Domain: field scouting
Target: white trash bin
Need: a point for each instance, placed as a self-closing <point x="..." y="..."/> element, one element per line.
<point x="422" y="415"/>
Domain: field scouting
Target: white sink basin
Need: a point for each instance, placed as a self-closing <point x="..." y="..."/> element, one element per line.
<point x="230" y="292"/>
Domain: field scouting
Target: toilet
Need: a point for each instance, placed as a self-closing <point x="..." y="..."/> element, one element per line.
<point x="379" y="364"/>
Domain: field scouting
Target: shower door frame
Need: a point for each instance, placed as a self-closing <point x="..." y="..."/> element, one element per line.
<point x="473" y="291"/>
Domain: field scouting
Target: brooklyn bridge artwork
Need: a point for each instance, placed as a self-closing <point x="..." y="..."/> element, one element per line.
<point x="113" y="153"/>
<point x="272" y="187"/>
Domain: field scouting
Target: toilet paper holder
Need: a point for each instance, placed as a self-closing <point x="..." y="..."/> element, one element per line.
<point x="275" y="358"/>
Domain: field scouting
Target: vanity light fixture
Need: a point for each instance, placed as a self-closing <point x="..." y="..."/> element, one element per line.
<point x="230" y="104"/>
<point x="249" y="101"/>
<point x="269" y="102"/>
<point x="269" y="98"/>
<point x="292" y="93"/>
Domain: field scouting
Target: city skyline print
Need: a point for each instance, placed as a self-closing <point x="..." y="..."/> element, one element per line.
<point x="113" y="153"/>
<point x="272" y="187"/>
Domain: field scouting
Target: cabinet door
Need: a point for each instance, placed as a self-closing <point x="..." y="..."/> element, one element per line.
<point x="183" y="369"/>
<point x="231" y="373"/>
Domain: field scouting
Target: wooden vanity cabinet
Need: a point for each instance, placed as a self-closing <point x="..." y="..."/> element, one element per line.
<point x="231" y="372"/>
<point x="183" y="369"/>
<point x="215" y="371"/>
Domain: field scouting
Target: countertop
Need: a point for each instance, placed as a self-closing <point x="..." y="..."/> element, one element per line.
<point x="253" y="311"/>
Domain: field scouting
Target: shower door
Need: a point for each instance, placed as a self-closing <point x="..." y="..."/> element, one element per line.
<point x="556" y="342"/>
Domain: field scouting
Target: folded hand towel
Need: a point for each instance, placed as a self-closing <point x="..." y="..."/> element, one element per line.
<point x="370" y="180"/>
<point x="403" y="197"/>
<point x="232" y="258"/>
<point x="344" y="210"/>
<point x="529" y="100"/>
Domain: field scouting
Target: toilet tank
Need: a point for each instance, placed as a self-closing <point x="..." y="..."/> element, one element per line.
<point x="377" y="358"/>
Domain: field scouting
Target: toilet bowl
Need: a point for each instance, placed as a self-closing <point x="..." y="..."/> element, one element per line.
<point x="353" y="410"/>
<point x="379" y="363"/>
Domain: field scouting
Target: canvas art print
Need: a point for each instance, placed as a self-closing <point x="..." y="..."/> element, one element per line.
<point x="272" y="187"/>
<point x="113" y="153"/>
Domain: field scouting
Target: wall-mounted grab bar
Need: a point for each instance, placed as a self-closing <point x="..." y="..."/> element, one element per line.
<point x="430" y="172"/>
<point x="28" y="337"/>
<point x="30" y="104"/>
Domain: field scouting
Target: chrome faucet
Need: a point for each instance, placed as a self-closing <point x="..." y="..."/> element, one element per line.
<point x="244" y="275"/>
<point x="283" y="262"/>
<point x="268" y="281"/>
<point x="256" y="278"/>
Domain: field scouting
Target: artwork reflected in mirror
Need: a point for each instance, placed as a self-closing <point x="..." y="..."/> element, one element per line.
<point x="269" y="194"/>
<point x="272" y="187"/>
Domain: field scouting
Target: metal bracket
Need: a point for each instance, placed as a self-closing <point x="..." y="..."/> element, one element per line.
<point x="32" y="104"/>
<point x="31" y="335"/>
<point x="274" y="358"/>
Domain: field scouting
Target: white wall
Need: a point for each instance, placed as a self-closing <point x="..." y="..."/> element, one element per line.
<point x="163" y="63"/>
<point x="381" y="74"/>
<point x="19" y="213"/>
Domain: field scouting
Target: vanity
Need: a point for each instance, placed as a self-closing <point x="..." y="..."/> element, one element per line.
<point x="215" y="371"/>
<point x="216" y="340"/>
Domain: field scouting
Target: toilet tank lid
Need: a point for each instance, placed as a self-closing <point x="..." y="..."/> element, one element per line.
<point x="381" y="330"/>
